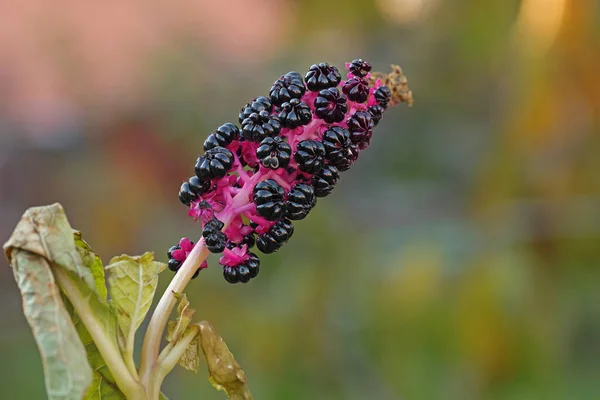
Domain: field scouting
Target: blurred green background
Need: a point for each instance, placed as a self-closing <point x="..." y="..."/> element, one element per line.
<point x="457" y="260"/>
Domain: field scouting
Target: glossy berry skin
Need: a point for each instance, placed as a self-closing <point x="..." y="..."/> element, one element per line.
<point x="360" y="126"/>
<point x="322" y="76"/>
<point x="223" y="136"/>
<point x="268" y="197"/>
<point x="300" y="200"/>
<point x="276" y="237"/>
<point x="357" y="89"/>
<point x="257" y="105"/>
<point x="174" y="264"/>
<point x="215" y="242"/>
<point x="382" y="95"/>
<point x="253" y="264"/>
<point x="274" y="153"/>
<point x="359" y="68"/>
<point x="376" y="113"/>
<point x="259" y="126"/>
<point x="290" y="86"/>
<point x="331" y="105"/>
<point x="336" y="141"/>
<point x="212" y="226"/>
<point x="214" y="163"/>
<point x="310" y="156"/>
<point x="186" y="194"/>
<point x="295" y="113"/>
<point x="198" y="186"/>
<point x="243" y="272"/>
<point x="325" y="180"/>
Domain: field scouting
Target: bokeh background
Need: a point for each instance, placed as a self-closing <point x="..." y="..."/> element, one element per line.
<point x="457" y="260"/>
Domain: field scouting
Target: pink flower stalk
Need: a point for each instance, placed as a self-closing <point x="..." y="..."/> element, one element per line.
<point x="254" y="180"/>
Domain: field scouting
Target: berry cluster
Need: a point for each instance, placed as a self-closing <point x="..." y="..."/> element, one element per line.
<point x="288" y="150"/>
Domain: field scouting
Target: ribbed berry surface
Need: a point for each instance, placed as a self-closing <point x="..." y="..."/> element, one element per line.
<point x="257" y="177"/>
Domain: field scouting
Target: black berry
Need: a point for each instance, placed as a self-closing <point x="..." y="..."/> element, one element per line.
<point x="376" y="113"/>
<point x="361" y="129"/>
<point x="359" y="67"/>
<point x="290" y="86"/>
<point x="300" y="200"/>
<point x="244" y="271"/>
<point x="322" y="76"/>
<point x="274" y="238"/>
<point x="214" y="163"/>
<point x="331" y="105"/>
<point x="186" y="194"/>
<point x="215" y="242"/>
<point x="310" y="156"/>
<point x="174" y="265"/>
<point x="357" y="89"/>
<point x="295" y="113"/>
<point x="199" y="186"/>
<point x="274" y="153"/>
<point x="257" y="105"/>
<point x="222" y="136"/>
<point x="258" y="126"/>
<point x="382" y="95"/>
<point x="325" y="180"/>
<point x="268" y="197"/>
<point x="336" y="141"/>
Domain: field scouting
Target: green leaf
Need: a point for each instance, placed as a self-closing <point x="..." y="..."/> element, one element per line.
<point x="132" y="283"/>
<point x="93" y="262"/>
<point x="43" y="236"/>
<point x="224" y="371"/>
<point x="103" y="385"/>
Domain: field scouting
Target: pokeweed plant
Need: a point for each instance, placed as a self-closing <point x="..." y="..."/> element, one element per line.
<point x="247" y="188"/>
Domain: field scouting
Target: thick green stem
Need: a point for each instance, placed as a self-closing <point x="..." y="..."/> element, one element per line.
<point x="107" y="348"/>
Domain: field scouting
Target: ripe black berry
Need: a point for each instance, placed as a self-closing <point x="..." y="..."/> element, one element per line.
<point x="310" y="156"/>
<point x="186" y="195"/>
<point x="357" y="89"/>
<point x="382" y="95"/>
<point x="295" y="113"/>
<point x="268" y="197"/>
<point x="259" y="126"/>
<point x="325" y="180"/>
<point x="222" y="136"/>
<point x="290" y="86"/>
<point x="336" y="141"/>
<point x="212" y="226"/>
<point x="300" y="200"/>
<point x="174" y="264"/>
<point x="244" y="271"/>
<point x="199" y="186"/>
<point x="376" y="113"/>
<point x="359" y="67"/>
<point x="257" y="105"/>
<point x="214" y="163"/>
<point x="361" y="129"/>
<point x="274" y="153"/>
<point x="253" y="264"/>
<point x="331" y="105"/>
<point x="322" y="76"/>
<point x="277" y="236"/>
<point x="215" y="242"/>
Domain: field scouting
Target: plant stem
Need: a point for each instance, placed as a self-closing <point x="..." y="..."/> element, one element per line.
<point x="169" y="358"/>
<point x="107" y="348"/>
<point x="152" y="339"/>
<point x="158" y="321"/>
